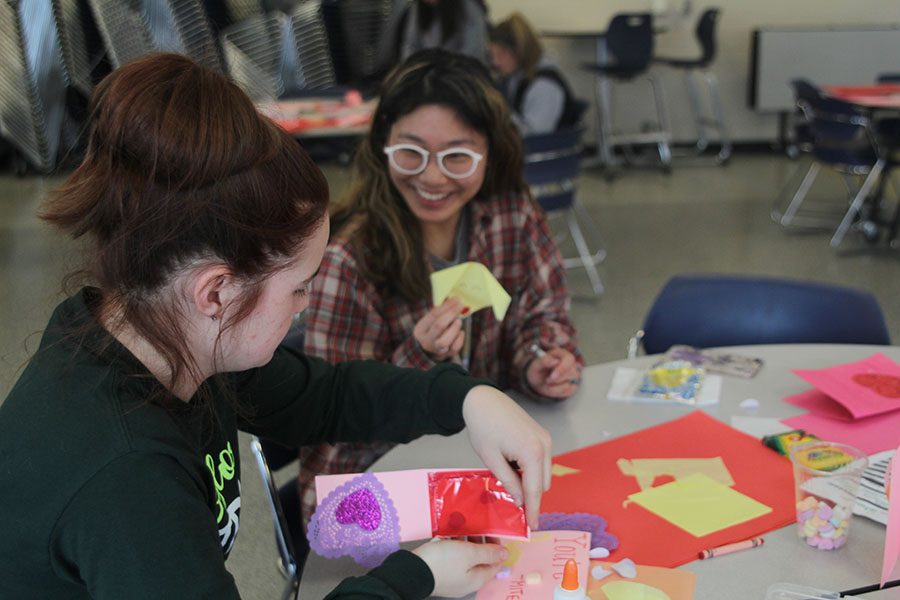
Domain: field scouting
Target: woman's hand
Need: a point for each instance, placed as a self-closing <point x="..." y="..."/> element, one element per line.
<point x="460" y="568"/>
<point x="440" y="332"/>
<point x="501" y="431"/>
<point x="555" y="374"/>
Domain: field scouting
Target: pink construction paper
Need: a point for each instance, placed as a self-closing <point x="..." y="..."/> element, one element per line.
<point x="409" y="492"/>
<point x="861" y="400"/>
<point x="820" y="403"/>
<point x="545" y="553"/>
<point x="871" y="435"/>
<point x="892" y="539"/>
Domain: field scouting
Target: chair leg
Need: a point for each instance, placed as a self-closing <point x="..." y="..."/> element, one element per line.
<point x="697" y="109"/>
<point x="587" y="260"/>
<point x="603" y="99"/>
<point x="718" y="117"/>
<point x="800" y="194"/>
<point x="861" y="196"/>
<point x="663" y="145"/>
<point x="600" y="252"/>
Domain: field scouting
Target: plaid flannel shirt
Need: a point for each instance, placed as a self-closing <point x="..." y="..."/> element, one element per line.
<point x="348" y="318"/>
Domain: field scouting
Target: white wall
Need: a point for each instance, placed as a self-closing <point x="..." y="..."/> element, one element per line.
<point x="632" y="104"/>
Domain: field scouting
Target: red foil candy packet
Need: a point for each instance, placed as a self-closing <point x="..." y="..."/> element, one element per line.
<point x="473" y="503"/>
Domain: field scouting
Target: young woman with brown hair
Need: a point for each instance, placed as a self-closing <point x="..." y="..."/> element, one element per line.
<point x="438" y="181"/>
<point x="118" y="443"/>
<point x="530" y="80"/>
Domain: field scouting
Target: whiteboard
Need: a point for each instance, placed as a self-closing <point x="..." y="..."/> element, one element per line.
<point x="825" y="56"/>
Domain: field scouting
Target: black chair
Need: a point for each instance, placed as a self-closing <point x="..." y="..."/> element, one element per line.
<point x="888" y="78"/>
<point x="845" y="139"/>
<point x="552" y="166"/>
<point x="708" y="311"/>
<point x="284" y="505"/>
<point x="706" y="36"/>
<point x="629" y="45"/>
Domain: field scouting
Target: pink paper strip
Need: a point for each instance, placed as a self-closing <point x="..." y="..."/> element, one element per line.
<point x="408" y="491"/>
<point x="861" y="399"/>
<point x="820" y="403"/>
<point x="871" y="435"/>
<point x="892" y="539"/>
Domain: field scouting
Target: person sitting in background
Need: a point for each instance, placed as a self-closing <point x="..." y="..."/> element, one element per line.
<point x="119" y="464"/>
<point x="438" y="181"/>
<point x="530" y="80"/>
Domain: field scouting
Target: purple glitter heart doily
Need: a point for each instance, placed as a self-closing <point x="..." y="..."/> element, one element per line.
<point x="593" y="524"/>
<point x="357" y="519"/>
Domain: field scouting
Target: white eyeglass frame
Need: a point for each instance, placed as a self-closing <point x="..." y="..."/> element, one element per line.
<point x="425" y="154"/>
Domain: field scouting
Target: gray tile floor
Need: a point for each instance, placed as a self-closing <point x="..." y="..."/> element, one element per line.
<point x="698" y="219"/>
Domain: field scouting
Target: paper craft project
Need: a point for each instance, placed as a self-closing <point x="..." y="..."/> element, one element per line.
<point x="474" y="285"/>
<point x="699" y="504"/>
<point x="651" y="583"/>
<point x="871" y="435"/>
<point x="545" y="555"/>
<point x="865" y="388"/>
<point x="892" y="537"/>
<point x="626" y="380"/>
<point x="601" y="488"/>
<point x="820" y="403"/>
<point x="367" y="515"/>
<point x="647" y="470"/>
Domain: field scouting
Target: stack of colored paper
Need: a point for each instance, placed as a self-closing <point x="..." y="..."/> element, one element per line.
<point x="857" y="404"/>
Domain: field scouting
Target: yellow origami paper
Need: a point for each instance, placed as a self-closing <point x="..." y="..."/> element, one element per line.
<point x="646" y="470"/>
<point x="699" y="504"/>
<point x="473" y="284"/>
<point x="632" y="590"/>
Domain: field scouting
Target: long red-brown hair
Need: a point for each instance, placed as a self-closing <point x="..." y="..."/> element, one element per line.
<point x="181" y="167"/>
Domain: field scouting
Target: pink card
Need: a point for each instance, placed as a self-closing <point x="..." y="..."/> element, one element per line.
<point x="820" y="403"/>
<point x="367" y="515"/>
<point x="871" y="435"/>
<point x="545" y="555"/>
<point x="865" y="388"/>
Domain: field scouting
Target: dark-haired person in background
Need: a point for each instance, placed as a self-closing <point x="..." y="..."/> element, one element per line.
<point x="119" y="464"/>
<point x="438" y="181"/>
<point x="530" y="80"/>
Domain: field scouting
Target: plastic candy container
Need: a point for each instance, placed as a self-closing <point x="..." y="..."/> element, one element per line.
<point x="826" y="479"/>
<point x="473" y="503"/>
<point x="676" y="380"/>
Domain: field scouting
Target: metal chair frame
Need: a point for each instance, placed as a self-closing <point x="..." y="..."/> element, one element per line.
<point x="573" y="211"/>
<point x="288" y="563"/>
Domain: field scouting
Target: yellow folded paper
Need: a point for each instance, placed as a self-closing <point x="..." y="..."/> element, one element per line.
<point x="699" y="505"/>
<point x="473" y="284"/>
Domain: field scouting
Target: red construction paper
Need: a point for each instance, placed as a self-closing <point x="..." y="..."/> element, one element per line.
<point x="820" y="404"/>
<point x="600" y="487"/>
<point x="866" y="387"/>
<point x="473" y="503"/>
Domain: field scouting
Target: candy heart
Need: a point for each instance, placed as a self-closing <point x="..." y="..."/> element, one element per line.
<point x="883" y="385"/>
<point x="599" y="573"/>
<point x="360" y="508"/>
<point x="626" y="568"/>
<point x="599" y="552"/>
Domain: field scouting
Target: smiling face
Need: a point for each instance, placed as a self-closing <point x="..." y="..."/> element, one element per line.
<point x="435" y="199"/>
<point x="252" y="342"/>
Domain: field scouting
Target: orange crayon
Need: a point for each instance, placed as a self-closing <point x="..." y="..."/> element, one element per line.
<point x="729" y="548"/>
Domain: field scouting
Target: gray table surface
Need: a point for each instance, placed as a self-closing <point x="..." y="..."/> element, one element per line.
<point x="588" y="418"/>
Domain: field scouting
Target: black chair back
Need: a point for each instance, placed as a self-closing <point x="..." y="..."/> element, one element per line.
<point x="552" y="163"/>
<point x="706" y="35"/>
<point x="629" y="38"/>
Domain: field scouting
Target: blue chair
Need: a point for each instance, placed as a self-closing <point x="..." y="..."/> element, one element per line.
<point x="844" y="139"/>
<point x="706" y="37"/>
<point x="552" y="165"/>
<point x="708" y="311"/>
<point x="629" y="44"/>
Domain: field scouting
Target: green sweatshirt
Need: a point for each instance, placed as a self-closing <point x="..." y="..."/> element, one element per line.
<point x="106" y="495"/>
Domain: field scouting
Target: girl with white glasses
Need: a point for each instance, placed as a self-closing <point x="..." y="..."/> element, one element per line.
<point x="438" y="181"/>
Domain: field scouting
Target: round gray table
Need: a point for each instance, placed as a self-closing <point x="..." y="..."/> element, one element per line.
<point x="588" y="418"/>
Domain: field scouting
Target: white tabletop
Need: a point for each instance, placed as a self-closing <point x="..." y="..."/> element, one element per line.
<point x="588" y="418"/>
